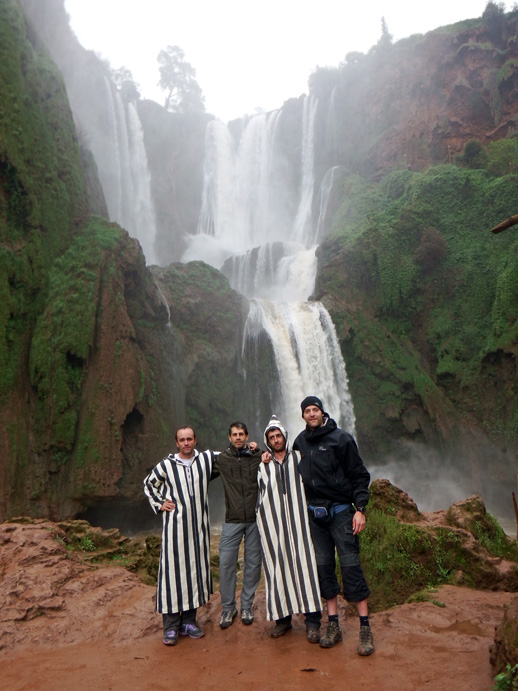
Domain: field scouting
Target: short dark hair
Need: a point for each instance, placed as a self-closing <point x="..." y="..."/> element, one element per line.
<point x="273" y="429"/>
<point x="239" y="425"/>
<point x="184" y="427"/>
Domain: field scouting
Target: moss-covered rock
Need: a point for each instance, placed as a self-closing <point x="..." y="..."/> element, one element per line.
<point x="406" y="553"/>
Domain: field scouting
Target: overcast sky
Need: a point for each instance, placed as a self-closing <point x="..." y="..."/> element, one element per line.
<point x="249" y="55"/>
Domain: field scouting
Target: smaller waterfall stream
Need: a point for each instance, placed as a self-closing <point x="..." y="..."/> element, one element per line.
<point x="307" y="356"/>
<point x="115" y="136"/>
<point x="261" y="233"/>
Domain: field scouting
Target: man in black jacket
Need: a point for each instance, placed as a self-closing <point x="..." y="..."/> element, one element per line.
<point x="238" y="469"/>
<point x="337" y="491"/>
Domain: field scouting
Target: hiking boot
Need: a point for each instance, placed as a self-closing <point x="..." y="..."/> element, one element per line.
<point x="332" y="635"/>
<point x="171" y="637"/>
<point x="191" y="630"/>
<point x="313" y="634"/>
<point x="227" y="618"/>
<point x="280" y="629"/>
<point x="366" y="646"/>
<point x="247" y="616"/>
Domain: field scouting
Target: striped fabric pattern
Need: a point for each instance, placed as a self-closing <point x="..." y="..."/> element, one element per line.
<point x="184" y="576"/>
<point x="291" y="578"/>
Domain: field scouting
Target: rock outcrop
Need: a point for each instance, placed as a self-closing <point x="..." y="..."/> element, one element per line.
<point x="504" y="651"/>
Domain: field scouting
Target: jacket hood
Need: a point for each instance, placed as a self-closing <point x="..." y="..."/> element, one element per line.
<point x="328" y="425"/>
<point x="275" y="423"/>
<point x="245" y="451"/>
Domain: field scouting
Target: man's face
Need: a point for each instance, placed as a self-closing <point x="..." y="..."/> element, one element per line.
<point x="313" y="416"/>
<point x="276" y="441"/>
<point x="238" y="437"/>
<point x="185" y="441"/>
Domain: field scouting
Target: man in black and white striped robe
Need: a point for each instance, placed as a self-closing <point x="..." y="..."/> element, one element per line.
<point x="178" y="487"/>
<point x="291" y="578"/>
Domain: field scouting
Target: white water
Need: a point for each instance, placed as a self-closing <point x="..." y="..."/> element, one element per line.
<point x="308" y="358"/>
<point x="329" y="181"/>
<point x="303" y="227"/>
<point x="260" y="229"/>
<point x="114" y="135"/>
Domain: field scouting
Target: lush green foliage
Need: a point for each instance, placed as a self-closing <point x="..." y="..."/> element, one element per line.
<point x="64" y="332"/>
<point x="41" y="184"/>
<point x="433" y="281"/>
<point x="507" y="680"/>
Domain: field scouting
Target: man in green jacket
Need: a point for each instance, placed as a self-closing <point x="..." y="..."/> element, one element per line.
<point x="238" y="467"/>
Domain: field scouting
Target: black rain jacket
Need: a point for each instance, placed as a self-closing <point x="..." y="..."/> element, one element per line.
<point x="331" y="466"/>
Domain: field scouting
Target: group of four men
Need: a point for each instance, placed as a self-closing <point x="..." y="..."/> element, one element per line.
<point x="295" y="510"/>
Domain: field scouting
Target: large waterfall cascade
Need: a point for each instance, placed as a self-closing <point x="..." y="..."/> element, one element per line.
<point x="261" y="232"/>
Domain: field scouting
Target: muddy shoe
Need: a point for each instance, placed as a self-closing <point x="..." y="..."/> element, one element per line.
<point x="227" y="618"/>
<point x="313" y="634"/>
<point x="280" y="629"/>
<point x="247" y="616"/>
<point x="191" y="630"/>
<point x="332" y="635"/>
<point x="171" y="637"/>
<point x="366" y="646"/>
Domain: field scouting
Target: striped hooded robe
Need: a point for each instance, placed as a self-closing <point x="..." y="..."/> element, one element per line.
<point x="291" y="578"/>
<point x="184" y="576"/>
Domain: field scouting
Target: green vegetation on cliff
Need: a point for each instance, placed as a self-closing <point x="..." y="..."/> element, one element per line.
<point x="41" y="183"/>
<point x="65" y="331"/>
<point x="413" y="272"/>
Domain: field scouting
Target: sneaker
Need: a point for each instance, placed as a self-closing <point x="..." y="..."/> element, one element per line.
<point x="247" y="616"/>
<point x="227" y="618"/>
<point x="280" y="629"/>
<point x="191" y="630"/>
<point x="332" y="635"/>
<point x="171" y="637"/>
<point x="366" y="646"/>
<point x="313" y="634"/>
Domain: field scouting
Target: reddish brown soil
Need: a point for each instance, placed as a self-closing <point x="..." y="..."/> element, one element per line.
<point x="66" y="625"/>
<point x="417" y="646"/>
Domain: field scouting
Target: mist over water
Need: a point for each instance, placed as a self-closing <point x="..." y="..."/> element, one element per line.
<point x="435" y="481"/>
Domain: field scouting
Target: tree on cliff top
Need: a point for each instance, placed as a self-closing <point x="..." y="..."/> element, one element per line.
<point x="178" y="80"/>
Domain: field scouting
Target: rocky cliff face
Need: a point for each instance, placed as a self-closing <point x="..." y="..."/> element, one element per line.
<point x="416" y="290"/>
<point x="95" y="376"/>
<point x="419" y="101"/>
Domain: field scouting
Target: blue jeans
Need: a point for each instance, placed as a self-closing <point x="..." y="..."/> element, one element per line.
<point x="337" y="535"/>
<point x="231" y="536"/>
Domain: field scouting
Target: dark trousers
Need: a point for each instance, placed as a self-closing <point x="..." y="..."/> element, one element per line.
<point x="312" y="619"/>
<point x="337" y="535"/>
<point x="174" y="621"/>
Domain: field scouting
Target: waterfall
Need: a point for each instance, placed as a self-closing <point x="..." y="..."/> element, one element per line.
<point x="307" y="358"/>
<point x="115" y="137"/>
<point x="259" y="229"/>
<point x="332" y="177"/>
<point x="124" y="172"/>
<point x="142" y="223"/>
<point x="274" y="271"/>
<point x="245" y="200"/>
<point x="304" y="220"/>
